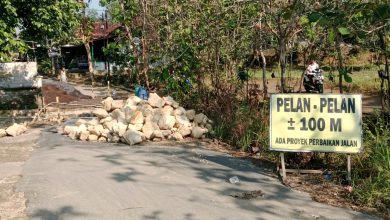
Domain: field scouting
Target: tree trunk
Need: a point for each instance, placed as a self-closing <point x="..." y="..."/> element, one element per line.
<point x="265" y="88"/>
<point x="384" y="51"/>
<point x="145" y="58"/>
<point x="282" y="61"/>
<point x="90" y="65"/>
<point x="340" y="60"/>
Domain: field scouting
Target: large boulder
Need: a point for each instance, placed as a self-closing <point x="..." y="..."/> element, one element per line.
<point x="137" y="118"/>
<point x="93" y="122"/>
<point x="179" y="111"/>
<point x="166" y="122"/>
<point x="176" y="136"/>
<point x="135" y="127"/>
<point x="16" y="129"/>
<point x="145" y="108"/>
<point x="190" y="114"/>
<point x="109" y="124"/>
<point x="3" y="133"/>
<point x="107" y="103"/>
<point x="167" y="110"/>
<point x="100" y="113"/>
<point x="198" y="132"/>
<point x="70" y="128"/>
<point x="105" y="132"/>
<point x="116" y="104"/>
<point x="185" y="130"/>
<point x="93" y="137"/>
<point x="149" y="128"/>
<point x="96" y="129"/>
<point x="102" y="139"/>
<point x="181" y="120"/>
<point x="113" y="138"/>
<point x="155" y="100"/>
<point x="200" y="119"/>
<point x="119" y="129"/>
<point x="80" y="121"/>
<point x="132" y="137"/>
<point x="84" y="135"/>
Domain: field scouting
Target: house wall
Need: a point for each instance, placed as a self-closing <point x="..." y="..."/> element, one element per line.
<point x="18" y="75"/>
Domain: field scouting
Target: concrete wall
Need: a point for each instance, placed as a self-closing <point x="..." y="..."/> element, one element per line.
<point x="19" y="75"/>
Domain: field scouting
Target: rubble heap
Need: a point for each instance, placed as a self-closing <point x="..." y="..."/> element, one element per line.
<point x="135" y="120"/>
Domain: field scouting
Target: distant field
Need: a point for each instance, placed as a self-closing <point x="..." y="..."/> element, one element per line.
<point x="366" y="81"/>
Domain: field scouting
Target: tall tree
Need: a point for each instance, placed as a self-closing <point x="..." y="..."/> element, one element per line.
<point x="9" y="20"/>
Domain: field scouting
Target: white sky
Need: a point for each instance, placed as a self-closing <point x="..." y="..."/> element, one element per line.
<point x="94" y="4"/>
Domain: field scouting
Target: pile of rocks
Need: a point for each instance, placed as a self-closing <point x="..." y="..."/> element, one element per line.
<point x="135" y="120"/>
<point x="13" y="130"/>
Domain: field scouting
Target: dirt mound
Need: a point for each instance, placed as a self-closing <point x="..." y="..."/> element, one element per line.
<point x="65" y="92"/>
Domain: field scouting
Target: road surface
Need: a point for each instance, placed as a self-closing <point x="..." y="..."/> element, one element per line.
<point x="67" y="179"/>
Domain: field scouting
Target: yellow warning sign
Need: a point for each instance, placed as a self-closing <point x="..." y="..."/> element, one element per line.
<point x="316" y="122"/>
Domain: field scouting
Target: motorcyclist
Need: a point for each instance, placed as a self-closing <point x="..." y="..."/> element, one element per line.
<point x="310" y="70"/>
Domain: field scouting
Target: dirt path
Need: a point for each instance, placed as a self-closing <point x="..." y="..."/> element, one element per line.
<point x="14" y="152"/>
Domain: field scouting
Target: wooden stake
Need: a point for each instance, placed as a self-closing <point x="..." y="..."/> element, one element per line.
<point x="349" y="167"/>
<point x="58" y="106"/>
<point x="283" y="166"/>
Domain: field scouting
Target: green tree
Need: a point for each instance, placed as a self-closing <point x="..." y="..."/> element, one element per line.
<point x="9" y="20"/>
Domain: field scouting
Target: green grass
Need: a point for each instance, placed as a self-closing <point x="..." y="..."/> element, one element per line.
<point x="363" y="81"/>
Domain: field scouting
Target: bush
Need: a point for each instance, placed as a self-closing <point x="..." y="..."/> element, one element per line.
<point x="372" y="177"/>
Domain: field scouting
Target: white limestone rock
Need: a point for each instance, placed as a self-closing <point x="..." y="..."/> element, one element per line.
<point x="93" y="122"/>
<point x="158" y="134"/>
<point x="155" y="100"/>
<point x="179" y="111"/>
<point x="16" y="129"/>
<point x="80" y="121"/>
<point x="107" y="103"/>
<point x="93" y="137"/>
<point x="167" y="110"/>
<point x="177" y="136"/>
<point x="149" y="128"/>
<point x="105" y="132"/>
<point x="181" y="120"/>
<point x="69" y="128"/>
<point x="145" y="108"/>
<point x="137" y="118"/>
<point x="3" y="133"/>
<point x="166" y="133"/>
<point x="96" y="129"/>
<point x="102" y="139"/>
<point x="168" y="100"/>
<point x="100" y="113"/>
<point x="135" y="127"/>
<point x="84" y="135"/>
<point x="118" y="115"/>
<point x="166" y="122"/>
<point x="116" y="104"/>
<point x="109" y="124"/>
<point x="185" y="130"/>
<point x="119" y="129"/>
<point x="200" y="119"/>
<point x="132" y="137"/>
<point x="190" y="114"/>
<point x="113" y="138"/>
<point x="198" y="132"/>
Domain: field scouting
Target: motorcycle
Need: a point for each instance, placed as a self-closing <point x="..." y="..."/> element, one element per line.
<point x="315" y="82"/>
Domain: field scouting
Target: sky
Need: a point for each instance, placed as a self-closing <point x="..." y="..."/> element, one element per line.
<point x="94" y="4"/>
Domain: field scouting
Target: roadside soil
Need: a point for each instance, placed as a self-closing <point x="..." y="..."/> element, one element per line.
<point x="14" y="152"/>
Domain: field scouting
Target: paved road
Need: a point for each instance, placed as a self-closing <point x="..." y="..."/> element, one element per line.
<point x="66" y="179"/>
